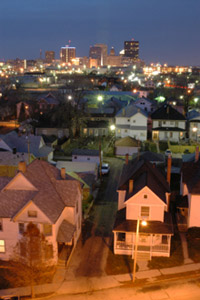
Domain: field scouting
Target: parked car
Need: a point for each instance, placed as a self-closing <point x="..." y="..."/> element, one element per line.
<point x="105" y="169"/>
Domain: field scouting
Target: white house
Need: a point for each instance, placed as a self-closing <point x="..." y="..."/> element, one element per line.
<point x="143" y="194"/>
<point x="40" y="194"/>
<point x="194" y="125"/>
<point x="145" y="104"/>
<point x="190" y="187"/>
<point x="86" y="155"/>
<point x="168" y="124"/>
<point x="131" y="121"/>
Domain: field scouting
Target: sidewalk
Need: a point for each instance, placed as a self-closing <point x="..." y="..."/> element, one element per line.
<point x="88" y="284"/>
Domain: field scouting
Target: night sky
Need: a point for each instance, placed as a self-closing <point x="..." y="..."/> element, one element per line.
<point x="168" y="30"/>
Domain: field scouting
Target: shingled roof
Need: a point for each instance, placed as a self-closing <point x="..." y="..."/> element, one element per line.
<point x="144" y="174"/>
<point x="51" y="194"/>
<point x="166" y="112"/>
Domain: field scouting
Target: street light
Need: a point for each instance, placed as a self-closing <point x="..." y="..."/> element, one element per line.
<point x="143" y="223"/>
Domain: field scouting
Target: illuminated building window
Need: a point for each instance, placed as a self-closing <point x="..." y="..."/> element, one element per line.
<point x="32" y="213"/>
<point x="2" y="246"/>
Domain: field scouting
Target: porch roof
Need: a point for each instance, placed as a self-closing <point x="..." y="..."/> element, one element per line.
<point x="65" y="232"/>
<point x="153" y="227"/>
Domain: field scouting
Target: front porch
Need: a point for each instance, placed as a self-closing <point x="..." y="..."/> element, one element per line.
<point x="149" y="244"/>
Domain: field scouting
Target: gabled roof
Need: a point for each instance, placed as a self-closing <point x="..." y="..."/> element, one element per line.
<point x="130" y="111"/>
<point x="167" y="112"/>
<point x="127" y="142"/>
<point x="53" y="194"/>
<point x="144" y="174"/>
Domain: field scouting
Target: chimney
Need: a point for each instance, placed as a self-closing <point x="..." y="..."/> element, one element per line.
<point x="197" y="154"/>
<point x="123" y="112"/>
<point x="22" y="166"/>
<point x="169" y="164"/>
<point x="14" y="150"/>
<point x="131" y="181"/>
<point x="63" y="173"/>
<point x="127" y="158"/>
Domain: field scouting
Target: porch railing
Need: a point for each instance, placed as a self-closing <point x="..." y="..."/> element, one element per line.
<point x="120" y="245"/>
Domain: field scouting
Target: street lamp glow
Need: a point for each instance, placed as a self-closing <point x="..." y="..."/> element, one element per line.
<point x="196" y="100"/>
<point x="112" y="127"/>
<point x="100" y="98"/>
<point x="69" y="97"/>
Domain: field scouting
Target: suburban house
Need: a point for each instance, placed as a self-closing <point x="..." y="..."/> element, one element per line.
<point x="131" y="121"/>
<point x="146" y="104"/>
<point x="143" y="194"/>
<point x="194" y="125"/>
<point x="168" y="124"/>
<point x="126" y="145"/>
<point x="47" y="101"/>
<point x="190" y="192"/>
<point x="96" y="128"/>
<point x="39" y="193"/>
<point x="48" y="131"/>
<point x="86" y="155"/>
<point x="28" y="144"/>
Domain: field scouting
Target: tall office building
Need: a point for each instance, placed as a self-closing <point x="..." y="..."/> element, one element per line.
<point x="49" y="56"/>
<point x="131" y="49"/>
<point x="104" y="53"/>
<point x="67" y="54"/>
<point x="99" y="52"/>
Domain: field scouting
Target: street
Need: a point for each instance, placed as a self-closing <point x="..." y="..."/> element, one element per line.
<point x="89" y="258"/>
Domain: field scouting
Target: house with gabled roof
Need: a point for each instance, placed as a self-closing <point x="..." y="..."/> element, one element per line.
<point x="143" y="194"/>
<point x="189" y="205"/>
<point x="131" y="121"/>
<point x="168" y="124"/>
<point x="39" y="193"/>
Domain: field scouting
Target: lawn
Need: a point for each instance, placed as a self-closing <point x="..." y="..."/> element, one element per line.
<point x="175" y="259"/>
<point x="118" y="264"/>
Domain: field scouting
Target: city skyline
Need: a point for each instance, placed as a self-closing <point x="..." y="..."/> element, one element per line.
<point x="167" y="31"/>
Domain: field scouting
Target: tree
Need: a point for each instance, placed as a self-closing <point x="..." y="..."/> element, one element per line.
<point x="31" y="262"/>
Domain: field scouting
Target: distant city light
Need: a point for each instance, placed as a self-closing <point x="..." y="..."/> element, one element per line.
<point x="99" y="98"/>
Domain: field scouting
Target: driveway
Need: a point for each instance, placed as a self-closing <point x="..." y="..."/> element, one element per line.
<point x="89" y="257"/>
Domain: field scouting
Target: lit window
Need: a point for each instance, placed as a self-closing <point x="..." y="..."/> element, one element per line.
<point x="21" y="228"/>
<point x="47" y="229"/>
<point x="32" y="213"/>
<point x="2" y="246"/>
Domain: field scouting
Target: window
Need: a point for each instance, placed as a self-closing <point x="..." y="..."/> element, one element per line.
<point x="47" y="229"/>
<point x="145" y="211"/>
<point x="1" y="224"/>
<point x="119" y="131"/>
<point x="77" y="207"/>
<point x="171" y="134"/>
<point x="79" y="222"/>
<point x="128" y="120"/>
<point x="133" y="121"/>
<point x="164" y="122"/>
<point x="21" y="228"/>
<point x="32" y="213"/>
<point x="145" y="196"/>
<point x="75" y="157"/>
<point x="121" y="236"/>
<point x="164" y="239"/>
<point x="88" y="158"/>
<point x="125" y="130"/>
<point x="2" y="246"/>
